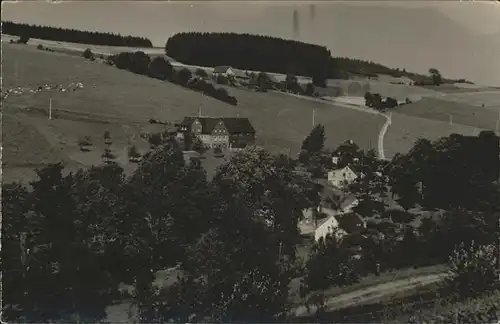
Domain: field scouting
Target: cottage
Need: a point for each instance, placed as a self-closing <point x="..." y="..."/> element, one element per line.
<point x="222" y="132"/>
<point x="340" y="225"/>
<point x="342" y="177"/>
<point x="241" y="76"/>
<point x="225" y="71"/>
<point x="329" y="226"/>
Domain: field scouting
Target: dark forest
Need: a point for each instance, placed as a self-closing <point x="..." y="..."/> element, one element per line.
<point x="73" y="35"/>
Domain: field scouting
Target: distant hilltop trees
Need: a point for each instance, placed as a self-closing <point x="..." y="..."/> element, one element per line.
<point x="275" y="55"/>
<point x="73" y="35"/>
<point x="251" y="52"/>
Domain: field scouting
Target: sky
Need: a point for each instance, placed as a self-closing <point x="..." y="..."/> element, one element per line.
<point x="461" y="39"/>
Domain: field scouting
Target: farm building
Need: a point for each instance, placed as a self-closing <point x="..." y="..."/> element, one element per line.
<point x="223" y="132"/>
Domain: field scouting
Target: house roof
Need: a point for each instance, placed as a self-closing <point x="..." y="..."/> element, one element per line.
<point x="234" y="125"/>
<point x="221" y="68"/>
<point x="339" y="172"/>
<point x="347" y="201"/>
<point x="240" y="74"/>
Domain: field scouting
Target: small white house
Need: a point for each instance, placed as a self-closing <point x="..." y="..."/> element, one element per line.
<point x="329" y="226"/>
<point x="341" y="177"/>
<point x="223" y="70"/>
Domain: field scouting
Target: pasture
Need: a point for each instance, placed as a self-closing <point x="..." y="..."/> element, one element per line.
<point x="396" y="91"/>
<point x="405" y="130"/>
<point x="444" y="110"/>
<point x="121" y="102"/>
<point x="490" y="99"/>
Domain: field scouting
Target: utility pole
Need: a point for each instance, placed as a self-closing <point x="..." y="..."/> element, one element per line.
<point x="50" y="109"/>
<point x="498" y="246"/>
<point x="314" y="110"/>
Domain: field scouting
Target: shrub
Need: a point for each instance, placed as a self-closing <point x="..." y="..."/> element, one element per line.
<point x="154" y="140"/>
<point x="107" y="138"/>
<point x="390" y="102"/>
<point x="201" y="73"/>
<point x="160" y="68"/>
<point x="108" y="156"/>
<point x="87" y="54"/>
<point x="183" y="77"/>
<point x="330" y="265"/>
<point x="40" y="47"/>
<point x="222" y="80"/>
<point x="309" y="89"/>
<point x="399" y="216"/>
<point x="472" y="270"/>
<point x="23" y="39"/>
<point x="133" y="154"/>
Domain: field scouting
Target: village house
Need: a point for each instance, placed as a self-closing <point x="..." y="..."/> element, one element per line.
<point x="223" y="132"/>
<point x="223" y="70"/>
<point x="342" y="177"/>
<point x="340" y="225"/>
<point x="230" y="73"/>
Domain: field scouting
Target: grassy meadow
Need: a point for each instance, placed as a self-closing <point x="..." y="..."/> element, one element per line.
<point x="122" y="103"/>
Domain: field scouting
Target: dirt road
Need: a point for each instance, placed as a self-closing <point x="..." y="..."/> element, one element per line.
<point x="372" y="293"/>
<point x="383" y="130"/>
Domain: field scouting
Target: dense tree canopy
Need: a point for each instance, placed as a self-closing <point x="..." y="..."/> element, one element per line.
<point x="73" y="35"/>
<point x="456" y="171"/>
<point x="250" y="52"/>
<point x="69" y="241"/>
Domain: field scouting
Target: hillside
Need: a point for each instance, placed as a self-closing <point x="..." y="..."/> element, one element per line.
<point x="122" y="102"/>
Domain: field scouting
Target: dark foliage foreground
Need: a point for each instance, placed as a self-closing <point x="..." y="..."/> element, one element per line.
<point x="69" y="241"/>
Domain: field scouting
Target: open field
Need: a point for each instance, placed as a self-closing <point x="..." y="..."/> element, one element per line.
<point x="122" y="102"/>
<point x="443" y="110"/>
<point x="76" y="47"/>
<point x="406" y="130"/>
<point x="490" y="99"/>
<point x="396" y="91"/>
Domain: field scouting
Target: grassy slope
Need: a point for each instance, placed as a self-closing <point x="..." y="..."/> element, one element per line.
<point x="122" y="102"/>
<point x="440" y="110"/>
<point x="406" y="130"/>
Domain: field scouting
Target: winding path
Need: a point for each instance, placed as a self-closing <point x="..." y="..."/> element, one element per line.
<point x="383" y="130"/>
<point x="371" y="294"/>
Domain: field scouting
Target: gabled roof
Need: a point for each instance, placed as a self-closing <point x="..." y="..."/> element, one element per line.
<point x="240" y="74"/>
<point x="238" y="125"/>
<point x="234" y="125"/>
<point x="343" y="170"/>
<point x="221" y="69"/>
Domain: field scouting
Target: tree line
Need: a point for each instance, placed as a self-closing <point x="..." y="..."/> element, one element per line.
<point x="277" y="55"/>
<point x="159" y="68"/>
<point x="68" y="241"/>
<point x="250" y="52"/>
<point x="72" y="35"/>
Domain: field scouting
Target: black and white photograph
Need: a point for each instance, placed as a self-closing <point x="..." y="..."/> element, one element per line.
<point x="250" y="161"/>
